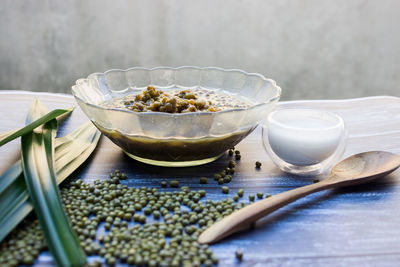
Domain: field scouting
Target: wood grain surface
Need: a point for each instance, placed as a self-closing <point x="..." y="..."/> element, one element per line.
<point x="356" y="226"/>
<point x="357" y="169"/>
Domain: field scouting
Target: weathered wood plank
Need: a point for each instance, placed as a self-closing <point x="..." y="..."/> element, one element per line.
<point x="345" y="227"/>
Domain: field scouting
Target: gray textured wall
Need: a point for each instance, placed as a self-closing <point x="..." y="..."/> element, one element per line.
<point x="313" y="49"/>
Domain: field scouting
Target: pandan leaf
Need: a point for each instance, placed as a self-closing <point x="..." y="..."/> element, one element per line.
<point x="37" y="149"/>
<point x="11" y="135"/>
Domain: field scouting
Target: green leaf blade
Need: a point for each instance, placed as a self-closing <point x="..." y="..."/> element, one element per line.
<point x="15" y="216"/>
<point x="15" y="192"/>
<point x="11" y="135"/>
<point x="10" y="176"/>
<point x="85" y="140"/>
<point x="41" y="180"/>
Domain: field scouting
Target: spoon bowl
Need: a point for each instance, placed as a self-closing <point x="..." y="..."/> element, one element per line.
<point x="366" y="165"/>
<point x="356" y="169"/>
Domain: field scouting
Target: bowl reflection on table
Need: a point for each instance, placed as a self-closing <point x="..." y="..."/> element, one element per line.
<point x="175" y="139"/>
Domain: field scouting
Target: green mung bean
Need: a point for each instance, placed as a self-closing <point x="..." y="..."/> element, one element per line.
<point x="227" y="179"/>
<point x="239" y="255"/>
<point x="231" y="164"/>
<point x="240" y="192"/>
<point x="217" y="176"/>
<point x="174" y="183"/>
<point x="203" y="180"/>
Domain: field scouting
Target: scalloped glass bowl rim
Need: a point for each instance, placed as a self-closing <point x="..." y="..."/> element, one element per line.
<point x="82" y="80"/>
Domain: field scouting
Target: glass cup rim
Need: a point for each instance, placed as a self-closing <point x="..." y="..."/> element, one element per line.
<point x="339" y="122"/>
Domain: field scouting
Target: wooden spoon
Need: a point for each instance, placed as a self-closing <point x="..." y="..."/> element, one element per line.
<point x="357" y="169"/>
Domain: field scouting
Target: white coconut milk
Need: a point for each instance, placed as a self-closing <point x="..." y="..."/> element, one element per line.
<point x="304" y="137"/>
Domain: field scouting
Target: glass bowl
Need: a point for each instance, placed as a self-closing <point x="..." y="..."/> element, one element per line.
<point x="175" y="139"/>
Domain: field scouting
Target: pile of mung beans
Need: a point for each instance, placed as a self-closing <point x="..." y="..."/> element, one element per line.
<point x="137" y="226"/>
<point x="156" y="100"/>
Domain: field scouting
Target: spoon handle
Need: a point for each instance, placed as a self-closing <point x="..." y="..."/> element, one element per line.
<point x="245" y="216"/>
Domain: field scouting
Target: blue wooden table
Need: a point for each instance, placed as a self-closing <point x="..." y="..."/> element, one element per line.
<point x="357" y="226"/>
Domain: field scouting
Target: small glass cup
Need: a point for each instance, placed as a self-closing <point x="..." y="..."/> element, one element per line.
<point x="304" y="141"/>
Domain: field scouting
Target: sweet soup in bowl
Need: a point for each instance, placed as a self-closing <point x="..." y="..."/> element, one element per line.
<point x="180" y="120"/>
<point x="177" y="101"/>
